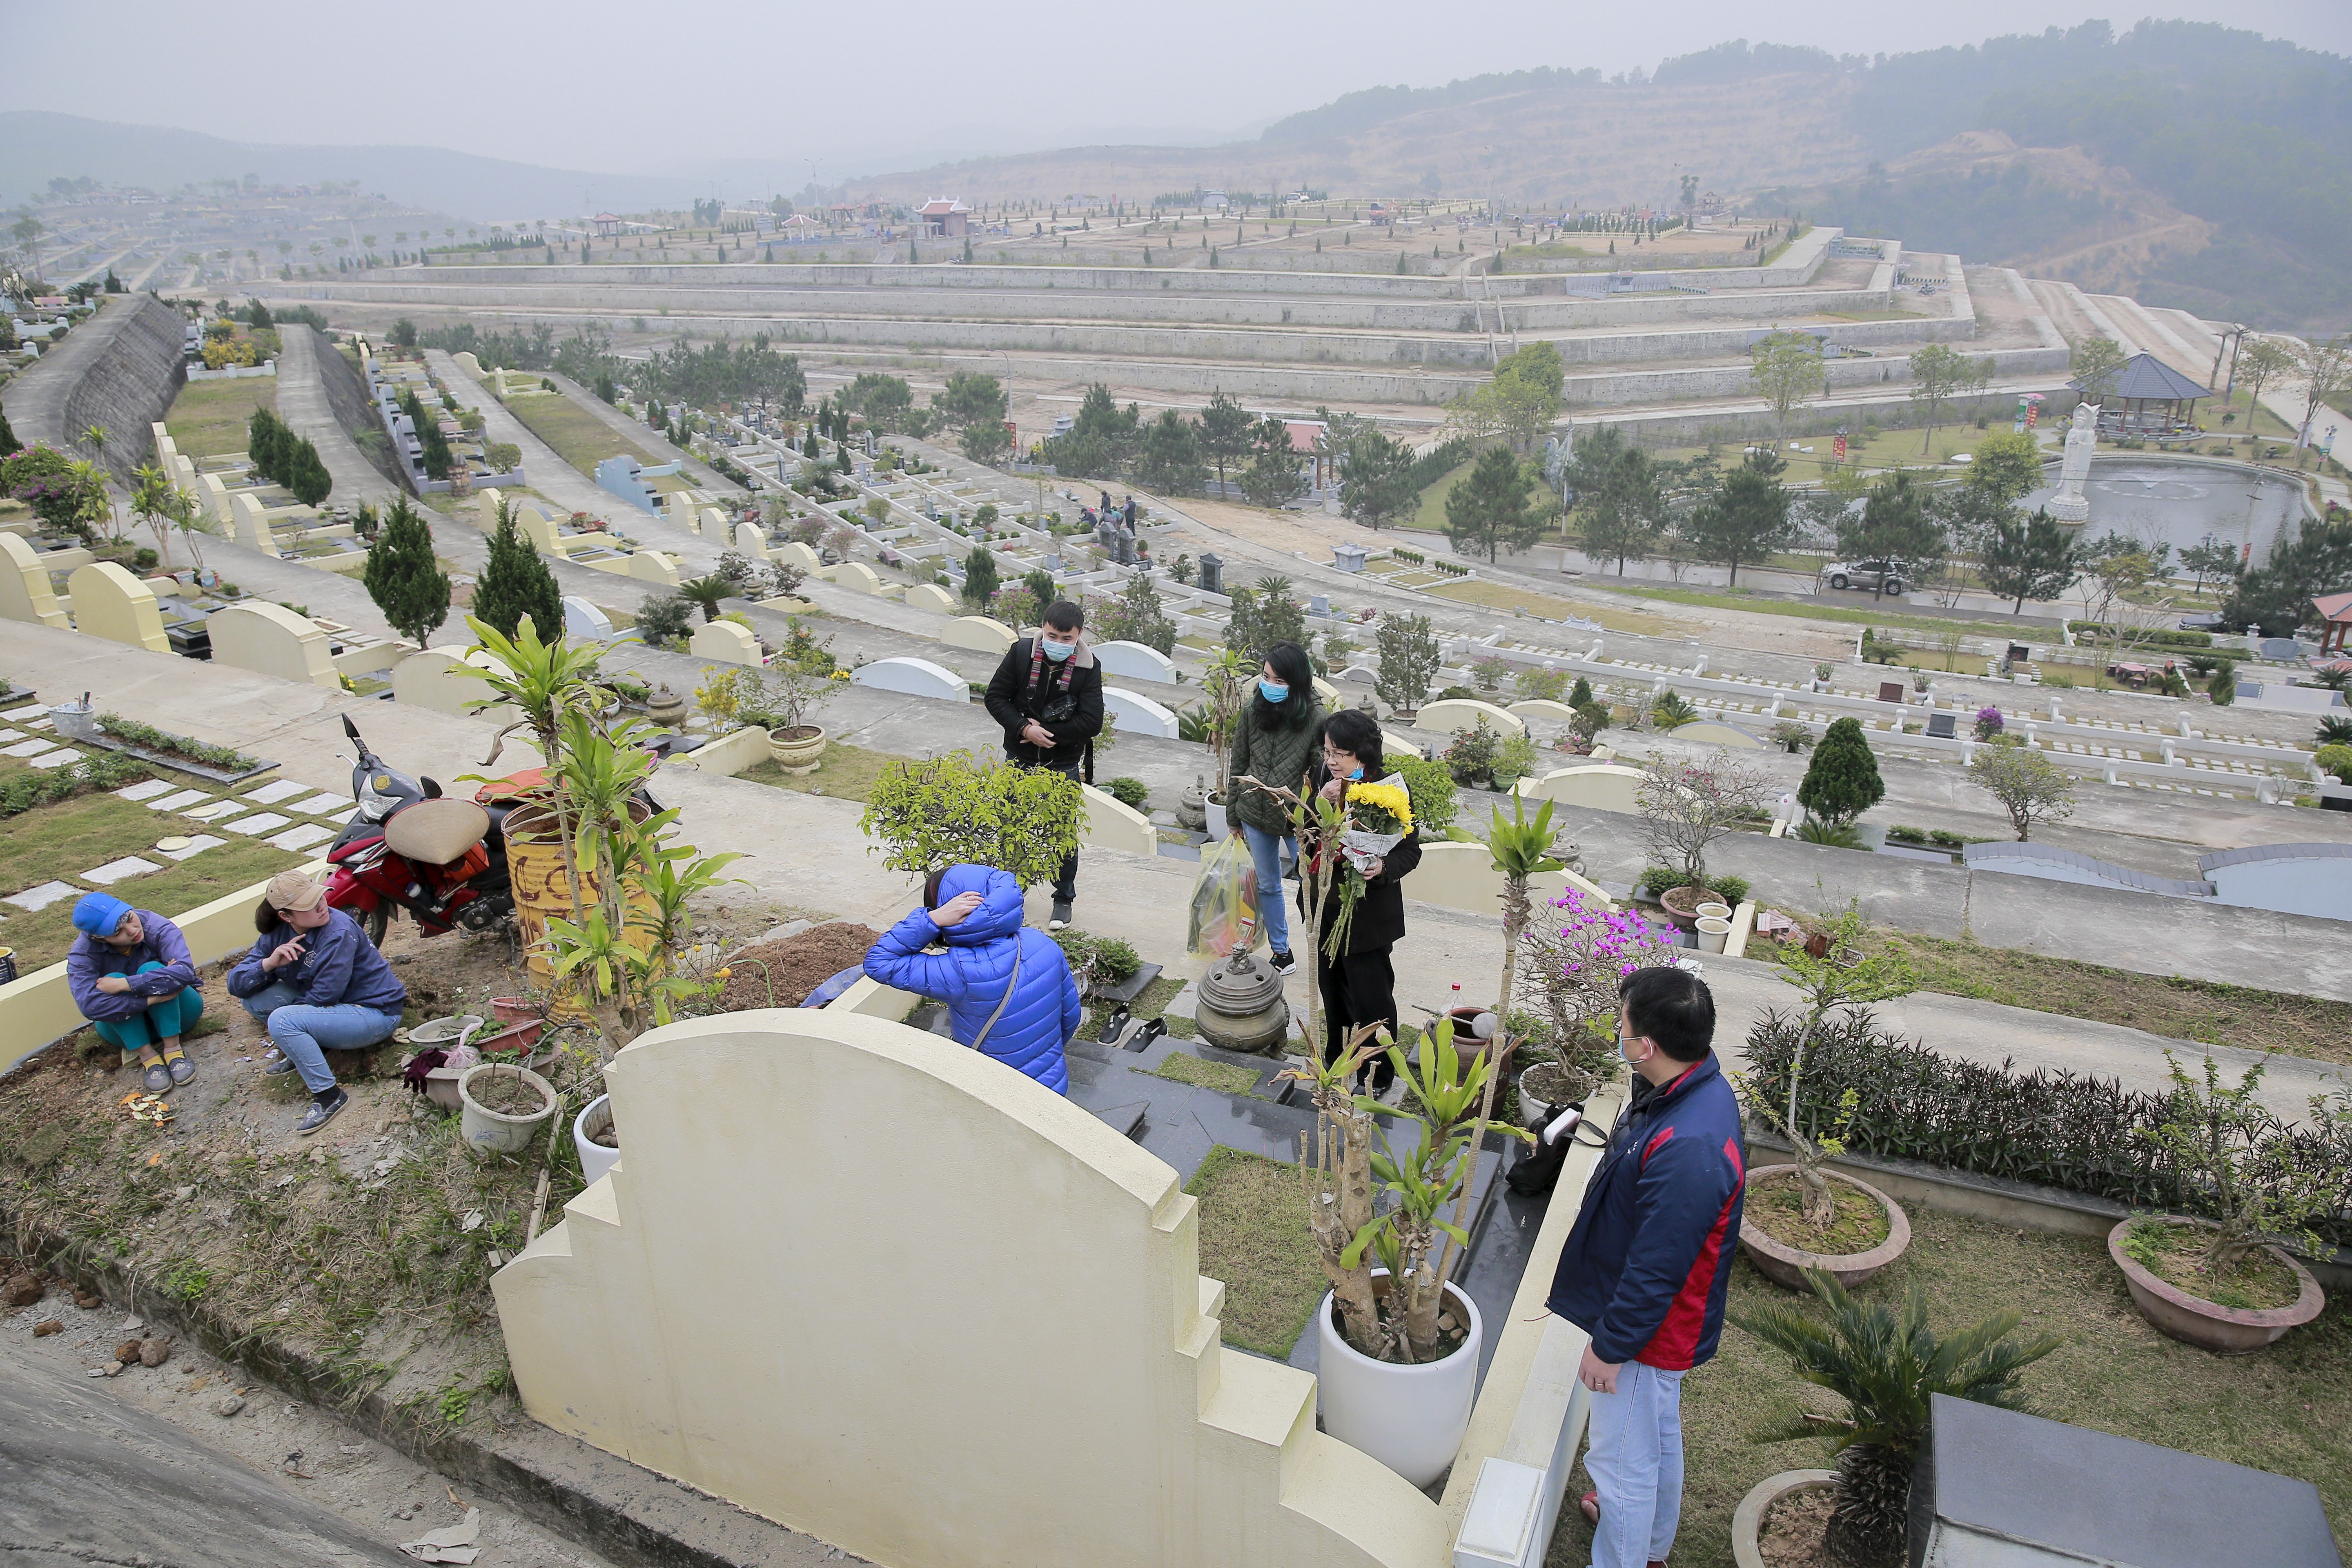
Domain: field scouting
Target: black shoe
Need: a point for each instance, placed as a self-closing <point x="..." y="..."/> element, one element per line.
<point x="1153" y="1029"/>
<point x="322" y="1112"/>
<point x="1061" y="915"/>
<point x="1281" y="961"/>
<point x="1113" y="1025"/>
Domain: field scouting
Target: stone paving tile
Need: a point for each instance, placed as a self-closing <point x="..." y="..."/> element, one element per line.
<point x="29" y="710"/>
<point x="38" y="743"/>
<point x="304" y="836"/>
<point x="56" y="759"/>
<point x="33" y="899"/>
<point x="216" y="811"/>
<point x="196" y="845"/>
<point x="259" y="823"/>
<point x="180" y="800"/>
<point x="148" y="790"/>
<point x="327" y="805"/>
<point x="275" y="791"/>
<point x="114" y="871"/>
<point x="11" y="734"/>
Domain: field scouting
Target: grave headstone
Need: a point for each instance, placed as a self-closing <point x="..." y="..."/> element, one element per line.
<point x="1941" y="726"/>
<point x="271" y="639"/>
<point x="1212" y="573"/>
<point x="1890" y="692"/>
<point x="110" y="602"/>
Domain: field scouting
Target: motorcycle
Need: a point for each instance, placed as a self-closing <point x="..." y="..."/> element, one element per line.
<point x="409" y="847"/>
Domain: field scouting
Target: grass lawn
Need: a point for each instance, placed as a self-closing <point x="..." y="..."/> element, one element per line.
<point x="2200" y="1010"/>
<point x="1227" y="1078"/>
<point x="1495" y="596"/>
<point x="1740" y="599"/>
<point x="208" y="418"/>
<point x="1253" y="1238"/>
<point x="2287" y="1409"/>
<point x="581" y="438"/>
<point x="1430" y="513"/>
<point x="56" y="843"/>
<point x="847" y="773"/>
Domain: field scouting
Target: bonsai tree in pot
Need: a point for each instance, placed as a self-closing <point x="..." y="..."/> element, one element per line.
<point x="2229" y="1152"/>
<point x="785" y="705"/>
<point x="1685" y="808"/>
<point x="1572" y="961"/>
<point x="1847" y="975"/>
<point x="1885" y="1366"/>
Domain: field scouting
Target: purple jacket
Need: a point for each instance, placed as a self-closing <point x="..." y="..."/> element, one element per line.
<point x="91" y="961"/>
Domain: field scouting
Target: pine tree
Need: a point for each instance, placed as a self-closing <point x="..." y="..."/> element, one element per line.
<point x="438" y="457"/>
<point x="1843" y="781"/>
<point x="305" y="475"/>
<point x="980" y="580"/>
<point x="8" y="442"/>
<point x="1582" y="695"/>
<point x="516" y="583"/>
<point x="403" y="577"/>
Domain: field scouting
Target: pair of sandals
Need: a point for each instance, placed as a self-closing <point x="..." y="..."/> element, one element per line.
<point x="168" y="1074"/>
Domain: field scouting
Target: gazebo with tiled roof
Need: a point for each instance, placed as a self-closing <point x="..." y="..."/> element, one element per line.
<point x="2146" y="397"/>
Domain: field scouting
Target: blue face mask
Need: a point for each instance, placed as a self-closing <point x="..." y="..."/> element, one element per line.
<point x="1058" y="651"/>
<point x="1273" y="691"/>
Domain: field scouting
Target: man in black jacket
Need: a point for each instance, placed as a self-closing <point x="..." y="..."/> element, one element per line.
<point x="1047" y="695"/>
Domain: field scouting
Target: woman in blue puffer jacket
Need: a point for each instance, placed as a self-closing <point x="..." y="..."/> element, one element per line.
<point x="976" y="911"/>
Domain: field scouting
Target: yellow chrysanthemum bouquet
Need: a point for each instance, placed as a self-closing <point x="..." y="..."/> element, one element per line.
<point x="1376" y="814"/>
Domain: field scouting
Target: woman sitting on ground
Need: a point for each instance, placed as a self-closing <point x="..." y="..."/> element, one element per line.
<point x="1021" y="1014"/>
<point x="319" y="984"/>
<point x="130" y="975"/>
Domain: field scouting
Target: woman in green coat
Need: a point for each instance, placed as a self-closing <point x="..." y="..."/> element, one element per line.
<point x="1276" y="743"/>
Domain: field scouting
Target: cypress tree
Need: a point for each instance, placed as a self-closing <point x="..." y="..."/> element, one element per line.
<point x="8" y="442"/>
<point x="403" y="577"/>
<point x="980" y="580"/>
<point x="516" y="583"/>
<point x="1843" y="781"/>
<point x="1582" y="693"/>
<point x="305" y="475"/>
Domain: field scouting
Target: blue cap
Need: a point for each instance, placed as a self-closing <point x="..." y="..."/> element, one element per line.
<point x="100" y="913"/>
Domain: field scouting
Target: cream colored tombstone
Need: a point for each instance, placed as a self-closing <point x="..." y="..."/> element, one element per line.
<point x="110" y="602"/>
<point x="677" y="506"/>
<point x="652" y="566"/>
<point x="1715" y="732"/>
<point x="1544" y="711"/>
<point x="1459" y="715"/>
<point x="1463" y="876"/>
<point x="979" y="633"/>
<point x="932" y="596"/>
<point x="857" y="577"/>
<point x="423" y="681"/>
<point x="271" y="639"/>
<point x="1599" y="786"/>
<point x="1111" y="823"/>
<point x="25" y="591"/>
<point x="535" y="526"/>
<point x="751" y="542"/>
<point x="711" y="524"/>
<point x="214" y="494"/>
<point x="486" y="509"/>
<point x="1078" y="1407"/>
<point x="1397" y="745"/>
<point x="726" y="642"/>
<point x="250" y="526"/>
<point x="792" y="553"/>
<point x="1329" y="694"/>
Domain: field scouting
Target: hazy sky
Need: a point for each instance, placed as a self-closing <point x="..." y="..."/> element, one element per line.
<point x="630" y="87"/>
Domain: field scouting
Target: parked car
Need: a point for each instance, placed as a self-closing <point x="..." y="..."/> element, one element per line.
<point x="1869" y="576"/>
<point x="2205" y="623"/>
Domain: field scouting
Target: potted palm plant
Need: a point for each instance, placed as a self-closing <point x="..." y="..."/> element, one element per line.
<point x="2224" y="1284"/>
<point x="1887" y="1366"/>
<point x="1802" y="1216"/>
<point x="1225" y="689"/>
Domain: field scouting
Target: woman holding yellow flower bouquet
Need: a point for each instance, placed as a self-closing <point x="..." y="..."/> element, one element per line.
<point x="1364" y="910"/>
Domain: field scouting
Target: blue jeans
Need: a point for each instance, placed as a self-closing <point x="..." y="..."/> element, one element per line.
<point x="164" y="1018"/>
<point x="305" y="1033"/>
<point x="1267" y="852"/>
<point x="1635" y="1460"/>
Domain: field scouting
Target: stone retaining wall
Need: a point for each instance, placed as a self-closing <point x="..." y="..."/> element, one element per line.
<point x="119" y="370"/>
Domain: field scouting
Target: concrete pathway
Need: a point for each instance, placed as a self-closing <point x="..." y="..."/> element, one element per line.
<point x="805" y="855"/>
<point x="549" y="475"/>
<point x="302" y="402"/>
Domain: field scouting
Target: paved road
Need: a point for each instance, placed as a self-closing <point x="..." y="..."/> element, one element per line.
<point x="549" y="475"/>
<point x="302" y="402"/>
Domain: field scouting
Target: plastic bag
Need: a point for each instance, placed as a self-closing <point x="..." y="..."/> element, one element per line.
<point x="1224" y="901"/>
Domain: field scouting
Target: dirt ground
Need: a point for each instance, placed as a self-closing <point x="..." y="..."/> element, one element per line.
<point x="376" y="1487"/>
<point x="781" y="973"/>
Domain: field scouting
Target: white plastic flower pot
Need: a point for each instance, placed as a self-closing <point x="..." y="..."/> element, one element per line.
<point x="489" y="1132"/>
<point x="1214" y="810"/>
<point x="596" y="1160"/>
<point x="1410" y="1418"/>
<point x="1713" y="930"/>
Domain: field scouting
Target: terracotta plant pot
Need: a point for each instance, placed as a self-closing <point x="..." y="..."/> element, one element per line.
<point x="513" y="1009"/>
<point x="1747" y="1520"/>
<point x="1681" y="904"/>
<point x="2209" y="1325"/>
<point x="1785" y="1265"/>
<point x="800" y="751"/>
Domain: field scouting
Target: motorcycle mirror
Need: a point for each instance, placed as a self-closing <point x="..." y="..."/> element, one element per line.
<point x="350" y="729"/>
<point x="432" y="788"/>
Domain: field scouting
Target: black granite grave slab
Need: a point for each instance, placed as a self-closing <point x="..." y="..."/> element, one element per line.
<point x="2033" y="1490"/>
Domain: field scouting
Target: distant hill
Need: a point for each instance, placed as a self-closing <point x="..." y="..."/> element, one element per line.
<point x="37" y="147"/>
<point x="2194" y="164"/>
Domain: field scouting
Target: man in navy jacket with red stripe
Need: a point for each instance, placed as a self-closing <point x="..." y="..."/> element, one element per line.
<point x="1646" y="1269"/>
